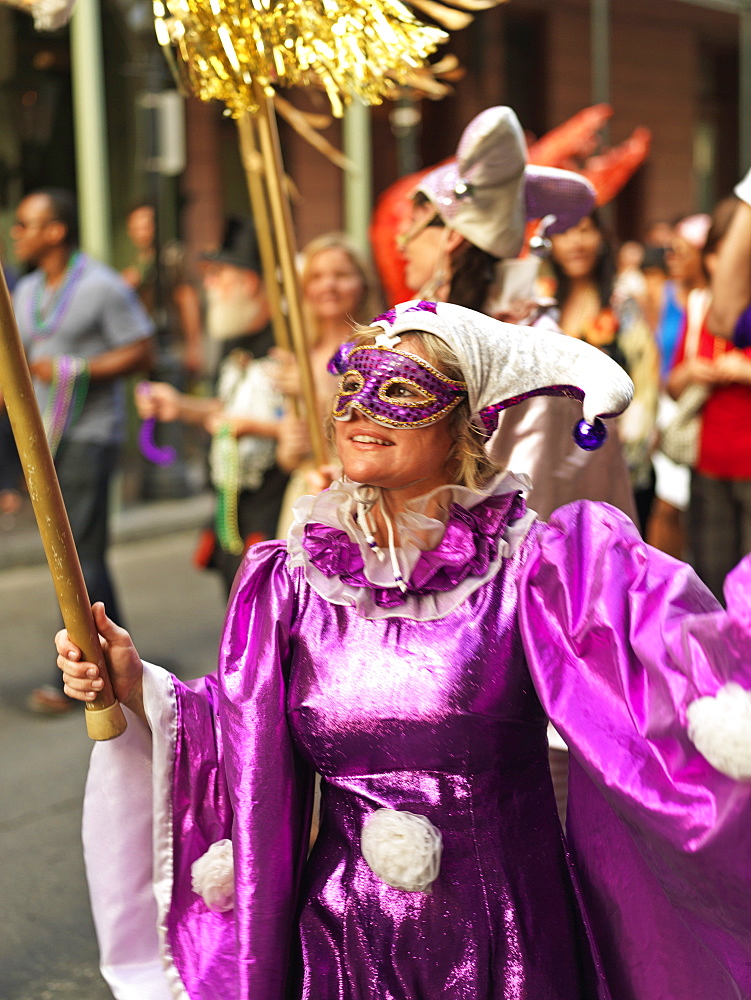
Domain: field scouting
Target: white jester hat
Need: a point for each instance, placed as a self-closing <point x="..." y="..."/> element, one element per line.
<point x="504" y="364"/>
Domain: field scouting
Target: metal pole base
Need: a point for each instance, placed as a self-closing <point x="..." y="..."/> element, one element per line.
<point x="105" y="723"/>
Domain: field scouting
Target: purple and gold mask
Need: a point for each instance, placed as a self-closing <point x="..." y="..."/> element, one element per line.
<point x="395" y="389"/>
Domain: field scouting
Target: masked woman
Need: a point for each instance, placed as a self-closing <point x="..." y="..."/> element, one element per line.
<point x="407" y="644"/>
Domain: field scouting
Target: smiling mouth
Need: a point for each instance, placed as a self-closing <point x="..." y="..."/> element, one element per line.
<point x="368" y="439"/>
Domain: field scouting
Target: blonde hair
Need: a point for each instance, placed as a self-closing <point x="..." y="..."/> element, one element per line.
<point x="369" y="304"/>
<point x="472" y="465"/>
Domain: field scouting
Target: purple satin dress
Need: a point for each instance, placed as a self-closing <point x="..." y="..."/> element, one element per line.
<point x="439" y="719"/>
<point x="446" y="718"/>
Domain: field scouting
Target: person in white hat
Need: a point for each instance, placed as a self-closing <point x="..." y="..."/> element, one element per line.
<point x="468" y="227"/>
<point x="406" y="644"/>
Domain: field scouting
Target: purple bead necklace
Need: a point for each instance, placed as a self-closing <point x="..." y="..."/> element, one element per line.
<point x="68" y="389"/>
<point x="152" y="451"/>
<point x="158" y="454"/>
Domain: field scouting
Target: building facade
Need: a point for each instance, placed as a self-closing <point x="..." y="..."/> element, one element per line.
<point x="671" y="65"/>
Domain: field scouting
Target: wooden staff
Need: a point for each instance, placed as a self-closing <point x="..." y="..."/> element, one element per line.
<point x="281" y="217"/>
<point x="253" y="165"/>
<point x="104" y="717"/>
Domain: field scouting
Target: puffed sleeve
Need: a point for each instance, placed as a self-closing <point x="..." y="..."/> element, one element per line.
<point x="629" y="653"/>
<point x="270" y="787"/>
<point x="215" y="771"/>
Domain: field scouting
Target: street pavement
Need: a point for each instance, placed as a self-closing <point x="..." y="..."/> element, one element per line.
<point x="47" y="942"/>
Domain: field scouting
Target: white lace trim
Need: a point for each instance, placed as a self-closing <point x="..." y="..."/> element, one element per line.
<point x="418" y="532"/>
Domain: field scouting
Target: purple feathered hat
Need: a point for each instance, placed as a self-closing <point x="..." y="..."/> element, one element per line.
<point x="489" y="192"/>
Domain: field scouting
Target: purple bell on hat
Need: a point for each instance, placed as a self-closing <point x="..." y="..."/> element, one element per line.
<point x="590" y="437"/>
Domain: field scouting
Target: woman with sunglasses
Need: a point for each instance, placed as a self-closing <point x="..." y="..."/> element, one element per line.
<point x="467" y="230"/>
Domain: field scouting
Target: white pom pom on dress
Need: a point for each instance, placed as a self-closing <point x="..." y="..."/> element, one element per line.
<point x="720" y="729"/>
<point x="213" y="877"/>
<point x="402" y="848"/>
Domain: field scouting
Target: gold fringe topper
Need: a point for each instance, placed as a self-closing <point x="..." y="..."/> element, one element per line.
<point x="363" y="48"/>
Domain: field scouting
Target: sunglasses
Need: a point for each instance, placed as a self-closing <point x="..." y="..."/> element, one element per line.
<point x="34" y="224"/>
<point x="418" y="227"/>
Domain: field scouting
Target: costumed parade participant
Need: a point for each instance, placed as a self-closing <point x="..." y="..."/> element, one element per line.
<point x="468" y="227"/>
<point x="408" y="644"/>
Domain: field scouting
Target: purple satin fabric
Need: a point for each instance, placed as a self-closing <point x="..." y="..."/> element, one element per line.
<point x="442" y="718"/>
<point x="202" y="941"/>
<point x="620" y="639"/>
<point x="438" y="719"/>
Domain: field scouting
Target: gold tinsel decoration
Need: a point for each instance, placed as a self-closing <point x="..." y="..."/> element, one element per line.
<point x="229" y="48"/>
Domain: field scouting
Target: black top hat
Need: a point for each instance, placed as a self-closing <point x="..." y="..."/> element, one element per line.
<point x="239" y="245"/>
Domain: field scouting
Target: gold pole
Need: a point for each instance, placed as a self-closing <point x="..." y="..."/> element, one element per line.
<point x="104" y="717"/>
<point x="254" y="175"/>
<point x="282" y="221"/>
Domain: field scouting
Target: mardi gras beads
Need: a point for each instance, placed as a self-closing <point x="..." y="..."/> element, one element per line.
<point x="68" y="390"/>
<point x="43" y="326"/>
<point x="228" y="478"/>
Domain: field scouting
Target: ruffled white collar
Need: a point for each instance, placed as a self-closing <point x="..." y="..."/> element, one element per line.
<point x="417" y="531"/>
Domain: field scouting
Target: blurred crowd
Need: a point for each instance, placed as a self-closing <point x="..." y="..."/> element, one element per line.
<point x="195" y="350"/>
